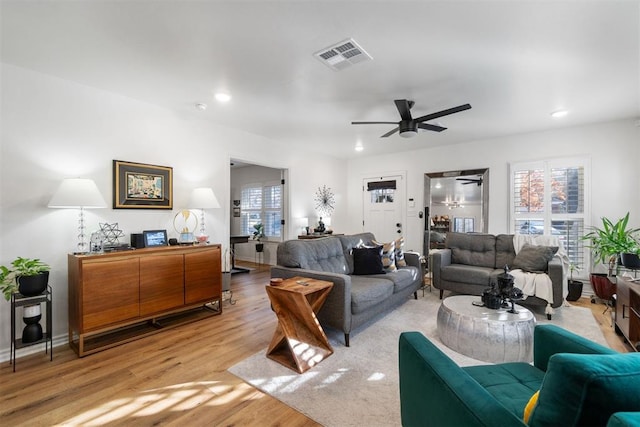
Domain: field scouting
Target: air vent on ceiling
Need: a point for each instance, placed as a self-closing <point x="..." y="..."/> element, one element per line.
<point x="343" y="55"/>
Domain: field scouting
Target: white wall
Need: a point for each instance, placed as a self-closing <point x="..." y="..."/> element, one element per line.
<point x="613" y="148"/>
<point x="54" y="129"/>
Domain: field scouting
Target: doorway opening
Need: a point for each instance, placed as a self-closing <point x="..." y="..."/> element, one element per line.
<point x="455" y="201"/>
<point x="259" y="211"/>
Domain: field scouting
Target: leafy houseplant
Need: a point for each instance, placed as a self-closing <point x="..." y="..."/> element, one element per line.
<point x="258" y="234"/>
<point x="28" y="276"/>
<point x="613" y="239"/>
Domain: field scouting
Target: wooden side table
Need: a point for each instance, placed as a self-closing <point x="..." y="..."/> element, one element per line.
<point x="299" y="343"/>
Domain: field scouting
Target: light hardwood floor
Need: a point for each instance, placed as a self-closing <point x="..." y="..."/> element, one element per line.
<point x="177" y="377"/>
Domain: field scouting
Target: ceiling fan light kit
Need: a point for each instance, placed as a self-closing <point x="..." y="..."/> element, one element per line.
<point x="408" y="126"/>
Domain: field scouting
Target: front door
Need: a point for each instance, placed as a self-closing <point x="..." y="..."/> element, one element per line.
<point x="382" y="202"/>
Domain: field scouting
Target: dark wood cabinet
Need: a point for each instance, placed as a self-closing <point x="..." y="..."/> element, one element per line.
<point x="118" y="297"/>
<point x="628" y="310"/>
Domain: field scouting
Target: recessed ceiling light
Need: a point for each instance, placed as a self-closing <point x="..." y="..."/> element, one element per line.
<point x="201" y="106"/>
<point x="559" y="113"/>
<point x="222" y="97"/>
<point x="359" y="148"/>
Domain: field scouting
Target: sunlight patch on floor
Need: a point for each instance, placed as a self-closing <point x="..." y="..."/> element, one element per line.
<point x="172" y="398"/>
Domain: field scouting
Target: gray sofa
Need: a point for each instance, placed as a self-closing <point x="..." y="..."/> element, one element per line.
<point x="354" y="299"/>
<point x="471" y="262"/>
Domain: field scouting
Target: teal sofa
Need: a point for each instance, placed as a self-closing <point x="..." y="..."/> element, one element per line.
<point x="580" y="383"/>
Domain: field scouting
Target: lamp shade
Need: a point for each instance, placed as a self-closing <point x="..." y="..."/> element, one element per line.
<point x="203" y="198"/>
<point x="77" y="193"/>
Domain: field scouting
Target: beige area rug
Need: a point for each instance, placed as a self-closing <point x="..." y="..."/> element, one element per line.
<point x="358" y="385"/>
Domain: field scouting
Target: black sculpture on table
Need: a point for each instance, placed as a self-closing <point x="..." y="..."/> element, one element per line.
<point x="505" y="294"/>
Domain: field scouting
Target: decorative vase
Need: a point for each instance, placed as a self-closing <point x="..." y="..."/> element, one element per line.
<point x="575" y="290"/>
<point x="33" y="331"/>
<point x="31" y="286"/>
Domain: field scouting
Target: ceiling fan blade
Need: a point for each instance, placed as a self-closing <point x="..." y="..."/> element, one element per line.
<point x="403" y="108"/>
<point x="391" y="132"/>
<point x="427" y="126"/>
<point x="443" y="113"/>
<point x="374" y="123"/>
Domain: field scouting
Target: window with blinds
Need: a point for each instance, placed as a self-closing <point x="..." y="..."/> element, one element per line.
<point x="548" y="198"/>
<point x="262" y="203"/>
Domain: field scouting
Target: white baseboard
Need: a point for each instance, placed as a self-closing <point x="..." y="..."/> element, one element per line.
<point x="5" y="355"/>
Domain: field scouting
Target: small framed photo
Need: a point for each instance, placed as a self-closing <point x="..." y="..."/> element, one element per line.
<point x="236" y="212"/>
<point x="142" y="186"/>
<point x="153" y="238"/>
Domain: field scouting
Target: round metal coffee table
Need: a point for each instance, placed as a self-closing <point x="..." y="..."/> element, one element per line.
<point x="494" y="336"/>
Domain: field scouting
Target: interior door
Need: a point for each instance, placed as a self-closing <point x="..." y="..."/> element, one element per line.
<point x="382" y="203"/>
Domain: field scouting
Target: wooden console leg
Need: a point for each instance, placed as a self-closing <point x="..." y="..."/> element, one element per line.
<point x="346" y="340"/>
<point x="441" y="292"/>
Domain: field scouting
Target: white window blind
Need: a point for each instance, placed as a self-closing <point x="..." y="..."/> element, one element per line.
<point x="262" y="203"/>
<point x="272" y="210"/>
<point x="549" y="198"/>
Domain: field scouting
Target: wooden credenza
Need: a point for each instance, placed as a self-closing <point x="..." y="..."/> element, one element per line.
<point x="628" y="310"/>
<point x="119" y="297"/>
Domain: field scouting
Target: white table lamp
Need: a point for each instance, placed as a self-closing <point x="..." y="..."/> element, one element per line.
<point x="203" y="198"/>
<point x="78" y="193"/>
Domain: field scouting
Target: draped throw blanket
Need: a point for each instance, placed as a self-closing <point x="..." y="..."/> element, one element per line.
<point x="538" y="284"/>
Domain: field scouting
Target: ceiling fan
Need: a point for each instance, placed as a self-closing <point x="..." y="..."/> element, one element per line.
<point x="409" y="126"/>
<point x="477" y="181"/>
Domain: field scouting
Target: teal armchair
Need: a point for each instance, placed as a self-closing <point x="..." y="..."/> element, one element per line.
<point x="580" y="383"/>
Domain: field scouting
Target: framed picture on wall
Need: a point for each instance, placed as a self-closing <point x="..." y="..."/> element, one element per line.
<point x="236" y="212"/>
<point x="142" y="186"/>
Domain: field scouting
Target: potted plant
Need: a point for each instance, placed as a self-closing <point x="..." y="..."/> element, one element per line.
<point x="258" y="234"/>
<point x="613" y="239"/>
<point x="28" y="276"/>
<point x="575" y="286"/>
<point x="606" y="244"/>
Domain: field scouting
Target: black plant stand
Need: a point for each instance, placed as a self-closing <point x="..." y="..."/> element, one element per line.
<point x="19" y="300"/>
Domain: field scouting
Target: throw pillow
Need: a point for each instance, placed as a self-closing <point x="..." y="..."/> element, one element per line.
<point x="534" y="259"/>
<point x="367" y="260"/>
<point x="400" y="262"/>
<point x="586" y="389"/>
<point x="388" y="255"/>
<point x="530" y="407"/>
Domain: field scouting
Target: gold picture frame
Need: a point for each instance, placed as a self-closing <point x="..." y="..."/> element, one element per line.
<point x="142" y="186"/>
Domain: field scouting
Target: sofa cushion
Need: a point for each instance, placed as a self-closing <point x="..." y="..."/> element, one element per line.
<point x="467" y="274"/>
<point x="367" y="291"/>
<point x="586" y="389"/>
<point x="403" y="278"/>
<point x="349" y="242"/>
<point x="400" y="261"/>
<point x="472" y="249"/>
<point x="367" y="260"/>
<point x="512" y="384"/>
<point x="324" y="254"/>
<point x="388" y="255"/>
<point x="505" y="251"/>
<point x="534" y="259"/>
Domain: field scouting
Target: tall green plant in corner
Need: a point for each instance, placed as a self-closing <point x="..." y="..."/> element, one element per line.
<point x="612" y="239"/>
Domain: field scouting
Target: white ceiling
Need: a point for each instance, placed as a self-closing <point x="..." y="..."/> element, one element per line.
<point x="514" y="62"/>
